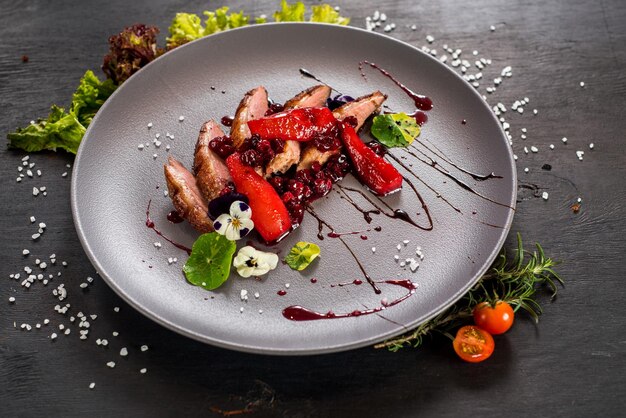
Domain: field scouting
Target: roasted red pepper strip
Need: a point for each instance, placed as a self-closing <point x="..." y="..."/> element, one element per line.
<point x="301" y="124"/>
<point x="269" y="214"/>
<point x="374" y="171"/>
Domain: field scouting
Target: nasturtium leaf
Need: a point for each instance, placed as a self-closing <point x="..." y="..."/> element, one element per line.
<point x="210" y="260"/>
<point x="395" y="129"/>
<point x="301" y="255"/>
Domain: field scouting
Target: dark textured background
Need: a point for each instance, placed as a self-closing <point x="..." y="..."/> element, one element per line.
<point x="571" y="364"/>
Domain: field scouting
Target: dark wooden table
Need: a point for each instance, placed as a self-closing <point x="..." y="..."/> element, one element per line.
<point x="571" y="364"/>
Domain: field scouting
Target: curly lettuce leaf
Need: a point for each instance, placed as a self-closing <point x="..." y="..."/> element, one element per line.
<point x="220" y="20"/>
<point x="301" y="255"/>
<point x="326" y="13"/>
<point x="59" y="130"/>
<point x="209" y="264"/>
<point x="290" y="12"/>
<point x="63" y="129"/>
<point x="395" y="130"/>
<point x="90" y="96"/>
<point x="129" y="51"/>
<point x="185" y="27"/>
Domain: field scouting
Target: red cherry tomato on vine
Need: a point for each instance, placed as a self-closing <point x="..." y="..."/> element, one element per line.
<point x="473" y="344"/>
<point x="494" y="319"/>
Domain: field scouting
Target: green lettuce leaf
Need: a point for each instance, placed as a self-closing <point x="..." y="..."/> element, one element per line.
<point x="90" y="96"/>
<point x="65" y="130"/>
<point x="185" y="27"/>
<point x="59" y="130"/>
<point x="395" y="130"/>
<point x="326" y="13"/>
<point x="290" y="12"/>
<point x="210" y="260"/>
<point x="301" y="255"/>
<point x="220" y="20"/>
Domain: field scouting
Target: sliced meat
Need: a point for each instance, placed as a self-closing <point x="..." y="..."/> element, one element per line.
<point x="252" y="106"/>
<point x="312" y="97"/>
<point x="187" y="198"/>
<point x="361" y="109"/>
<point x="210" y="171"/>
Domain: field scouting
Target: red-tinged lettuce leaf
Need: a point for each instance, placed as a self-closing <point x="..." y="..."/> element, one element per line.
<point x="129" y="51"/>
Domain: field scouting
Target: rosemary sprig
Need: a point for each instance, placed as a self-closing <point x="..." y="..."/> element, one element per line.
<point x="514" y="281"/>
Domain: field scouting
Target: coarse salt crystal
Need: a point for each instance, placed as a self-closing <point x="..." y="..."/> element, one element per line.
<point x="111" y="364"/>
<point x="92" y="385"/>
<point x="144" y="348"/>
<point x="181" y="118"/>
<point x="143" y="371"/>
<point x="544" y="195"/>
<point x="124" y="352"/>
<point x="11" y="299"/>
<point x="564" y="140"/>
<point x="534" y="149"/>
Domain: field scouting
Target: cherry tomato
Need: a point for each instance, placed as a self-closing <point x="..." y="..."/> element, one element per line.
<point x="473" y="344"/>
<point x="495" y="320"/>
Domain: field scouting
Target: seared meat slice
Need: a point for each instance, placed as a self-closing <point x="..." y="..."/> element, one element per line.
<point x="312" y="97"/>
<point x="252" y="106"/>
<point x="186" y="196"/>
<point x="360" y="108"/>
<point x="210" y="171"/>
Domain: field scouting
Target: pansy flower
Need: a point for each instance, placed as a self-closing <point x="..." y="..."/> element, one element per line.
<point x="236" y="224"/>
<point x="252" y="262"/>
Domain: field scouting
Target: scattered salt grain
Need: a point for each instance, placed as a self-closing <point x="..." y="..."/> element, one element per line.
<point x="35" y="191"/>
<point x="150" y="125"/>
<point x="140" y="146"/>
<point x="564" y="140"/>
<point x="144" y="348"/>
<point x="25" y="252"/>
<point x="591" y="146"/>
<point x="92" y="385"/>
<point x="116" y="309"/>
<point x="53" y="336"/>
<point x="181" y="118"/>
<point x="373" y="249"/>
<point x="124" y="352"/>
<point x="582" y="84"/>
<point x="534" y="149"/>
<point x="544" y="195"/>
<point x="551" y="146"/>
<point x="12" y="299"/>
<point x="143" y="371"/>
<point x="111" y="364"/>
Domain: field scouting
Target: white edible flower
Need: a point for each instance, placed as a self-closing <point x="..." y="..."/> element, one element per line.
<point x="237" y="224"/>
<point x="252" y="262"/>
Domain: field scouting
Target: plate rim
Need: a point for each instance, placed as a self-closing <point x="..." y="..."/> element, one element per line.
<point x="326" y="349"/>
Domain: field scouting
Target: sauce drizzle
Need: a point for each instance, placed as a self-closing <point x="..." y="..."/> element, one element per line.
<point x="299" y="313"/>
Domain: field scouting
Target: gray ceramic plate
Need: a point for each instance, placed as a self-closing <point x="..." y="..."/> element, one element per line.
<point x="113" y="181"/>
